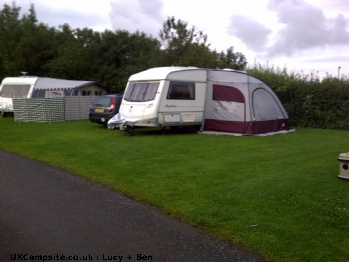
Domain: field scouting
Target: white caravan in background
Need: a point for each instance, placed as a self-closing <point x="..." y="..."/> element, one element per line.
<point x="15" y="87"/>
<point x="165" y="96"/>
<point x="44" y="87"/>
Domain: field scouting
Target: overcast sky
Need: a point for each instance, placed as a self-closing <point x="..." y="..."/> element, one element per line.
<point x="301" y="35"/>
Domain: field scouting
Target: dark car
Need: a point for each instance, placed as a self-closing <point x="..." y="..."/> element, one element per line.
<point x="104" y="108"/>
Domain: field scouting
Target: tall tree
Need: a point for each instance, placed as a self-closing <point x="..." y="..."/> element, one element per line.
<point x="26" y="44"/>
<point x="182" y="44"/>
<point x="231" y="60"/>
<point x="11" y="32"/>
<point x="188" y="47"/>
<point x="175" y="34"/>
<point x="124" y="54"/>
<point x="37" y="45"/>
<point x="78" y="56"/>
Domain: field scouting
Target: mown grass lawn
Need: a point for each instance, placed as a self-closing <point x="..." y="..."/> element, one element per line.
<point x="278" y="195"/>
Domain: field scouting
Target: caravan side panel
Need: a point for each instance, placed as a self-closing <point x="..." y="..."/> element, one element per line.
<point x="183" y="98"/>
<point x="179" y="99"/>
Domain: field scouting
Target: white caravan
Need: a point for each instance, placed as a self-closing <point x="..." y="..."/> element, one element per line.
<point x="15" y="87"/>
<point x="221" y="101"/>
<point x="165" y="96"/>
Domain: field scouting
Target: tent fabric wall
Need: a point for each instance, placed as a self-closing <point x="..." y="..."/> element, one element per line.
<point x="237" y="103"/>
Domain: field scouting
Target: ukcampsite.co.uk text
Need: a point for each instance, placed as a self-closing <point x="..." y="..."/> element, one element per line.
<point x="103" y="257"/>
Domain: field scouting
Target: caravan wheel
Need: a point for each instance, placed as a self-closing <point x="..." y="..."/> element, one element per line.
<point x="129" y="131"/>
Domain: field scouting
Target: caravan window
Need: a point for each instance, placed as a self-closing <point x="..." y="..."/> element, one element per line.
<point x="181" y="91"/>
<point x="141" y="92"/>
<point x="15" y="91"/>
<point x="151" y="91"/>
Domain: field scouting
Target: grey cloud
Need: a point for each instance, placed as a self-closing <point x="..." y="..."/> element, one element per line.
<point x="141" y="15"/>
<point x="252" y="33"/>
<point x="152" y="8"/>
<point x="339" y="4"/>
<point x="327" y="59"/>
<point x="339" y="32"/>
<point x="305" y="27"/>
<point x="55" y="17"/>
<point x="74" y="18"/>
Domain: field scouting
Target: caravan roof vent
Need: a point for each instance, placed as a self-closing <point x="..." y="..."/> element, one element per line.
<point x="24" y="74"/>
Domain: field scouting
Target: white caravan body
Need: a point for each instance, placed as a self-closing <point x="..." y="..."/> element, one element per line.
<point x="165" y="96"/>
<point x="15" y="87"/>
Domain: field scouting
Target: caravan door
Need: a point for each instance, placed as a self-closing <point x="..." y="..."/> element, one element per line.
<point x="225" y="109"/>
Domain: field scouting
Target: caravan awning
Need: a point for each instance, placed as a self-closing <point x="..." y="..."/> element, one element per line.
<point x="46" y="83"/>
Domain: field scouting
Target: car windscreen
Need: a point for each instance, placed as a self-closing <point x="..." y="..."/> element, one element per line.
<point x="15" y="91"/>
<point x="102" y="101"/>
<point x="141" y="92"/>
